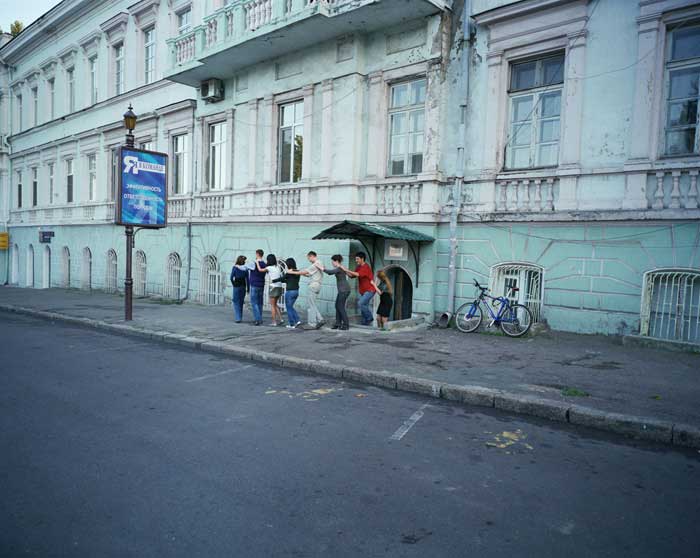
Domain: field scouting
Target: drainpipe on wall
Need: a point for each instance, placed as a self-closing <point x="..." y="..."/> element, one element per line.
<point x="455" y="202"/>
<point x="189" y="220"/>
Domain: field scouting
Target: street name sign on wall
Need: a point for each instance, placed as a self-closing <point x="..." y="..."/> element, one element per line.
<point x="46" y="236"/>
<point x="142" y="198"/>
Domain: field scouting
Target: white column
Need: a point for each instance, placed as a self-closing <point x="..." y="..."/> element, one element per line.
<point x="646" y="85"/>
<point x="493" y="129"/>
<point x="252" y="140"/>
<point x="230" y="149"/>
<point x="572" y="104"/>
<point x="269" y="139"/>
<point x="326" y="129"/>
<point x="376" y="117"/>
<point x="308" y="93"/>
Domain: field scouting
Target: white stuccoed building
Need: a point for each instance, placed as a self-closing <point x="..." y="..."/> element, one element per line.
<point x="560" y="138"/>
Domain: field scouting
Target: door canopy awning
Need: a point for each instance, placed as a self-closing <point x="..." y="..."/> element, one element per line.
<point x="368" y="233"/>
<point x="357" y="230"/>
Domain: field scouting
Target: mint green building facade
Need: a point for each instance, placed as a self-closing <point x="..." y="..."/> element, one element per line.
<point x="542" y="143"/>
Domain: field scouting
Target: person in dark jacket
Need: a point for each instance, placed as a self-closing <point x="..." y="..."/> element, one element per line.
<point x="257" y="285"/>
<point x="341" y="313"/>
<point x="291" y="294"/>
<point x="239" y="281"/>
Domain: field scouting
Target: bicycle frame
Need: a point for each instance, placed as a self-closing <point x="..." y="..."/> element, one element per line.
<point x="504" y="304"/>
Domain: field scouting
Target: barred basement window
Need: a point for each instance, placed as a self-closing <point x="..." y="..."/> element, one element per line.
<point x="172" y="284"/>
<point x="65" y="268"/>
<point x="111" y="272"/>
<point x="86" y="278"/>
<point x="210" y="281"/>
<point x="140" y="274"/>
<point x="527" y="278"/>
<point x="671" y="305"/>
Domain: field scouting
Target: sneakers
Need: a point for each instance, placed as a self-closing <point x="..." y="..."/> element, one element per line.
<point x="290" y="327"/>
<point x="320" y="324"/>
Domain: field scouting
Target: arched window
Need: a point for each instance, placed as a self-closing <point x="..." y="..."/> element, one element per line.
<point x="671" y="305"/>
<point x="86" y="276"/>
<point x="210" y="281"/>
<point x="140" y="274"/>
<point x="526" y="277"/>
<point x="111" y="272"/>
<point x="14" y="275"/>
<point x="172" y="279"/>
<point x="46" y="268"/>
<point x="65" y="268"/>
<point x="29" y="280"/>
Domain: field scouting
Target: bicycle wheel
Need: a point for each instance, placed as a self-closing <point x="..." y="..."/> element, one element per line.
<point x="468" y="317"/>
<point x="516" y="321"/>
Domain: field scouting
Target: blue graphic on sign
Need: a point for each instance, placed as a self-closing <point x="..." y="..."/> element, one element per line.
<point x="142" y="197"/>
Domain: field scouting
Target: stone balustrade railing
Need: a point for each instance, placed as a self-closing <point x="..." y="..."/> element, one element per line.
<point x="61" y="214"/>
<point x="526" y="195"/>
<point x="285" y="201"/>
<point x="673" y="188"/>
<point x="398" y="199"/>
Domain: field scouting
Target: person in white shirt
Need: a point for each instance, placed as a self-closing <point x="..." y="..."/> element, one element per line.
<point x="276" y="287"/>
<point x="315" y="274"/>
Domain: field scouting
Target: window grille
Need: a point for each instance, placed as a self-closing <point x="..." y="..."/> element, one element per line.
<point x="527" y="278"/>
<point x="210" y="282"/>
<point x="172" y="285"/>
<point x="671" y="305"/>
<point x="65" y="268"/>
<point x="111" y="272"/>
<point x="140" y="274"/>
<point x="86" y="278"/>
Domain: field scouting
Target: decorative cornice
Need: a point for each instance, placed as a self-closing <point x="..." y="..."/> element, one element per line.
<point x="90" y="42"/>
<point x="144" y="12"/>
<point x="518" y="9"/>
<point x="67" y="55"/>
<point x="187" y="104"/>
<point x="115" y="26"/>
<point x="32" y="76"/>
<point x="48" y="67"/>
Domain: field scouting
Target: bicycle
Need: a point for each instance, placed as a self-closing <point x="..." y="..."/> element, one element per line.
<point x="513" y="319"/>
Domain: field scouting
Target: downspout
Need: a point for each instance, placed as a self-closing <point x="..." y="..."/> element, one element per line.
<point x="455" y="200"/>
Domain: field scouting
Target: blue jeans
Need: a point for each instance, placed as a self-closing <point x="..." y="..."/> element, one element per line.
<point x="256" y="301"/>
<point x="290" y="297"/>
<point x="363" y="302"/>
<point x="238" y="300"/>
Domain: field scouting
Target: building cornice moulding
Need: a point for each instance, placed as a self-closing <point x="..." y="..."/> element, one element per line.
<point x="518" y="9"/>
<point x="48" y="67"/>
<point x="67" y="56"/>
<point x="31" y="77"/>
<point x="144" y="12"/>
<point x="187" y="104"/>
<point x="115" y="27"/>
<point x="90" y="42"/>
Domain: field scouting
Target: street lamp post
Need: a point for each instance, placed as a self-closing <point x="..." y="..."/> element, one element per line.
<point x="130" y="124"/>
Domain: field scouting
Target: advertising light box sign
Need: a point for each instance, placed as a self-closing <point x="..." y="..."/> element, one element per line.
<point x="143" y="190"/>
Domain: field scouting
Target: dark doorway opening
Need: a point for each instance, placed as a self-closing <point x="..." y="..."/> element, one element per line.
<point x="403" y="293"/>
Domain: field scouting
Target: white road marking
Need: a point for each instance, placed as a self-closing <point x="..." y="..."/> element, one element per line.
<point x="408" y="424"/>
<point x="199" y="378"/>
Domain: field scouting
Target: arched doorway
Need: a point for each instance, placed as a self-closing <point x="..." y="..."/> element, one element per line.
<point x="46" y="268"/>
<point x="65" y="264"/>
<point x="403" y="293"/>
<point x="86" y="279"/>
<point x="111" y="272"/>
<point x="29" y="279"/>
<point x="140" y="274"/>
<point x="14" y="275"/>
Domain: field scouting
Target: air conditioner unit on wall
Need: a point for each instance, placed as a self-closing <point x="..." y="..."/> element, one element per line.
<point x="212" y="90"/>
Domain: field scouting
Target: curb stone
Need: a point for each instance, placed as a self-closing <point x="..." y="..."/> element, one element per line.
<point x="681" y="435"/>
<point x="629" y="425"/>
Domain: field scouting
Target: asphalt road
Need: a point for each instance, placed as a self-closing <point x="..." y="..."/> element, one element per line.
<point x="111" y="446"/>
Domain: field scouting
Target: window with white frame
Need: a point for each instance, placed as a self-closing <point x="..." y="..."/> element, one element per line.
<point x="35" y="106"/>
<point x="35" y="186"/>
<point x="92" y="176"/>
<point x="291" y="142"/>
<point x="147" y="145"/>
<point x="535" y="112"/>
<point x="52" y="99"/>
<point x="184" y="21"/>
<point x="181" y="164"/>
<point x="172" y="285"/>
<point x="20" y="113"/>
<point x="70" y="89"/>
<point x="69" y="180"/>
<point x="406" y="125"/>
<point x="19" y="189"/>
<point x="216" y="168"/>
<point x="683" y="91"/>
<point x="119" y="69"/>
<point x="51" y="167"/>
<point x="93" y="79"/>
<point x="149" y="55"/>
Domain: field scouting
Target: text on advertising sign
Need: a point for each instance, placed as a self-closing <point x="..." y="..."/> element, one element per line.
<point x="142" y="197"/>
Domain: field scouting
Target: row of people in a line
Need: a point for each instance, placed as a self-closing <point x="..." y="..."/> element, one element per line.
<point x="249" y="277"/>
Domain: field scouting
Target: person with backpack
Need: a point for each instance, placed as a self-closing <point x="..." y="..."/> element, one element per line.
<point x="239" y="281"/>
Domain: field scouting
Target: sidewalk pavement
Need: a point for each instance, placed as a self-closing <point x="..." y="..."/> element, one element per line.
<point x="588" y="380"/>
